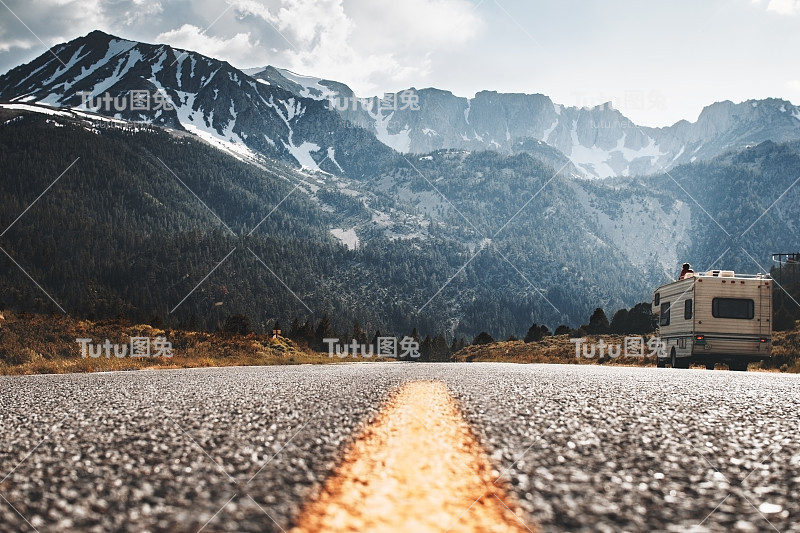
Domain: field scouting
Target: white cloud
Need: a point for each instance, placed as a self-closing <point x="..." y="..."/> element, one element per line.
<point x="237" y="50"/>
<point x="52" y="21"/>
<point x="782" y="7"/>
<point x="794" y="88"/>
<point x="142" y="9"/>
<point x="23" y="44"/>
<point x="366" y="44"/>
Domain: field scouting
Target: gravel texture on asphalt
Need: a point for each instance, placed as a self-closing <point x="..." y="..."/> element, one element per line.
<point x="582" y="448"/>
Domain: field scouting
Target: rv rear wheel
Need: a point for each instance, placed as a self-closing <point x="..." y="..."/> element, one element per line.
<point x="738" y="366"/>
<point x="661" y="363"/>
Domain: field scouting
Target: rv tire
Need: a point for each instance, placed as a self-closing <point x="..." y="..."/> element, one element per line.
<point x="738" y="366"/>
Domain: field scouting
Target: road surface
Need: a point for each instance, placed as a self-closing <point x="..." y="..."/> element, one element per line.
<point x="575" y="448"/>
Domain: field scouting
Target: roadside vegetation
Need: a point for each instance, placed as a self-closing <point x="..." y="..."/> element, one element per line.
<point x="46" y="344"/>
<point x="560" y="349"/>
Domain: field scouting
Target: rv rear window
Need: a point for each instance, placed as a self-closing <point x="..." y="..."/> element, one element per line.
<point x="687" y="309"/>
<point x="733" y="308"/>
<point x="664" y="314"/>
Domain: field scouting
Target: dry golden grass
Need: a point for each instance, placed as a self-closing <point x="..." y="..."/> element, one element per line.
<point x="786" y="352"/>
<point x="549" y="350"/>
<point x="37" y="344"/>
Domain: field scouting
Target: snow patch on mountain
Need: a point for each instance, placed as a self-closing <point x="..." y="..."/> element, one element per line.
<point x="548" y="131"/>
<point x="125" y="64"/>
<point x="347" y="237"/>
<point x="293" y="108"/>
<point x="199" y="123"/>
<point x="36" y="109"/>
<point x="312" y="88"/>
<point x="302" y="154"/>
<point x="400" y="141"/>
<point x="602" y="163"/>
<point x="592" y="159"/>
<point x="332" y="158"/>
<point x="116" y="47"/>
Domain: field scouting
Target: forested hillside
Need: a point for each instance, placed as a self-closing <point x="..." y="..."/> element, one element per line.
<point x="156" y="226"/>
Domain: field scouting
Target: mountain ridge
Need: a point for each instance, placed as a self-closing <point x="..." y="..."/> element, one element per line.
<point x="206" y="97"/>
<point x="450" y="242"/>
<point x="598" y="141"/>
<point x="272" y="112"/>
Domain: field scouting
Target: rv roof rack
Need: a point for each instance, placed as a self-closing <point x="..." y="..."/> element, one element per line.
<point x="732" y="274"/>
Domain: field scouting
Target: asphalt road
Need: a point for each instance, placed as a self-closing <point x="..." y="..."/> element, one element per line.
<point x="582" y="448"/>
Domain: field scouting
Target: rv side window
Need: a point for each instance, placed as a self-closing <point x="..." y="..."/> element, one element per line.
<point x="664" y="314"/>
<point x="657" y="299"/>
<point x="733" y="308"/>
<point x="687" y="309"/>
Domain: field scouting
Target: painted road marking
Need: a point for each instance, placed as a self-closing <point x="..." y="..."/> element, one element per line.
<point x="417" y="468"/>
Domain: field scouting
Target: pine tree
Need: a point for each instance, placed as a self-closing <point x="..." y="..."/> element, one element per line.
<point x="620" y="323"/>
<point x="439" y="349"/>
<point x="598" y="323"/>
<point x="324" y="331"/>
<point x="562" y="330"/>
<point x="358" y="334"/>
<point x="483" y="338"/>
<point x="534" y="333"/>
<point x="294" y="331"/>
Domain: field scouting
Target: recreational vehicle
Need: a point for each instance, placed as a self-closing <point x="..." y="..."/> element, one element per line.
<point x="714" y="317"/>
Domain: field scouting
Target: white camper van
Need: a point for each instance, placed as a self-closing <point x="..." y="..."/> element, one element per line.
<point x="714" y="317"/>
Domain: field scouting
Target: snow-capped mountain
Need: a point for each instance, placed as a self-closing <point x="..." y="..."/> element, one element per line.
<point x="599" y="141"/>
<point x="321" y="124"/>
<point x="188" y="91"/>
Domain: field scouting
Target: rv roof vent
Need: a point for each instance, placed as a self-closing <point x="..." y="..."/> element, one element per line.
<point x="714" y="273"/>
<point x="726" y="273"/>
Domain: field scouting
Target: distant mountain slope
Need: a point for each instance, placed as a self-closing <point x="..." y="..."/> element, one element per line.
<point x="598" y="141"/>
<point x="119" y="233"/>
<point x="448" y="242"/>
<point x="204" y="96"/>
<point x="321" y="124"/>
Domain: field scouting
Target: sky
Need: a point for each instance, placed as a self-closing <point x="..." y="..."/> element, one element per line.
<point x="657" y="62"/>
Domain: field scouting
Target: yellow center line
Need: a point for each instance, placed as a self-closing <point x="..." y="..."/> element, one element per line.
<point x="417" y="468"/>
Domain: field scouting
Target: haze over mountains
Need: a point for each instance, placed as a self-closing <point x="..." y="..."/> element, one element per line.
<point x="461" y="214"/>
